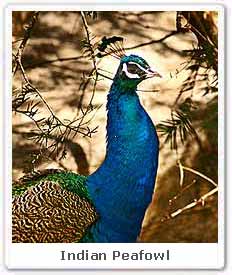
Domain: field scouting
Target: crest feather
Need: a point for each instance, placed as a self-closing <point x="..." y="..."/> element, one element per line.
<point x="111" y="46"/>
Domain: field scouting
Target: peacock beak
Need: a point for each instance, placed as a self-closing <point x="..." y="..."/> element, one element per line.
<point x="152" y="73"/>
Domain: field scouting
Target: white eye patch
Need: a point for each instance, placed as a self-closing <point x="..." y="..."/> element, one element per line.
<point x="128" y="74"/>
<point x="139" y="66"/>
<point x="134" y="70"/>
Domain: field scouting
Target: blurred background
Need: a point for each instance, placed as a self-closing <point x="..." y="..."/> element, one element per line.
<point x="60" y="89"/>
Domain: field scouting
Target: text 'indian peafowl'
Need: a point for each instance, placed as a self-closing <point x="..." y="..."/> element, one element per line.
<point x="109" y="205"/>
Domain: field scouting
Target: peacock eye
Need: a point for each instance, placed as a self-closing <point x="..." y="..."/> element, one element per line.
<point x="133" y="69"/>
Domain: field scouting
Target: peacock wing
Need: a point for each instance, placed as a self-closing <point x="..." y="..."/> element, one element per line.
<point x="52" y="207"/>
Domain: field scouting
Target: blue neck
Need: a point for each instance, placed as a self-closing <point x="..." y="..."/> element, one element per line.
<point x="122" y="187"/>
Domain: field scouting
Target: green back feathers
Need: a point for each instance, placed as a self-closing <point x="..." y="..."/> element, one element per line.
<point x="68" y="180"/>
<point x="51" y="206"/>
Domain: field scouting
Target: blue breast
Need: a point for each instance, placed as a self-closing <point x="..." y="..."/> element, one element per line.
<point x="121" y="189"/>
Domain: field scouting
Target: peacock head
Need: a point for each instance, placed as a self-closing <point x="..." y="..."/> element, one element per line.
<point x="132" y="70"/>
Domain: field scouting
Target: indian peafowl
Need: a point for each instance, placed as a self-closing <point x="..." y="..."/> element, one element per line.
<point x="109" y="205"/>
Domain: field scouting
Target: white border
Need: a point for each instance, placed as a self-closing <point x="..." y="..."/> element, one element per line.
<point x="14" y="254"/>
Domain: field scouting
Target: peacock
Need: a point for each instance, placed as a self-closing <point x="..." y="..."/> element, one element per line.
<point x="108" y="205"/>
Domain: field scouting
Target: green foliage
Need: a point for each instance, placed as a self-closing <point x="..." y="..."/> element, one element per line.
<point x="179" y="126"/>
<point x="202" y="66"/>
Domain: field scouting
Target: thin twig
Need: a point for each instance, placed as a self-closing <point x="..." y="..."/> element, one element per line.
<point x="27" y="35"/>
<point x="44" y="62"/>
<point x="94" y="62"/>
<point x="201" y="201"/>
<point x="181" y="174"/>
<point x="44" y="101"/>
<point x="153" y="41"/>
<point x="89" y="41"/>
<point x="181" y="192"/>
<point x="199" y="174"/>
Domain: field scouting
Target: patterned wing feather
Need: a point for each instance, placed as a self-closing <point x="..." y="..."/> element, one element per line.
<point x="55" y="209"/>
